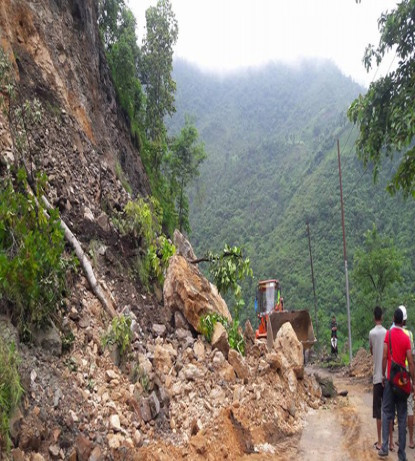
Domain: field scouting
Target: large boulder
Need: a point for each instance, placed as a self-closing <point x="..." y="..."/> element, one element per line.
<point x="187" y="290"/>
<point x="287" y="344"/>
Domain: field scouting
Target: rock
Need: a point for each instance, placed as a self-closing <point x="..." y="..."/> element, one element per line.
<point x="145" y="364"/>
<point x="199" y="350"/>
<point x="88" y="215"/>
<point x="115" y="424"/>
<point x="238" y="363"/>
<point x="154" y="404"/>
<point x="145" y="410"/>
<point x="192" y="372"/>
<point x="220" y="339"/>
<point x="54" y="451"/>
<point x="228" y="373"/>
<point x="49" y="339"/>
<point x="115" y="441"/>
<point x="187" y="290"/>
<point x="31" y="433"/>
<point x="180" y="321"/>
<point x="137" y="438"/>
<point x="104" y="222"/>
<point x="159" y="330"/>
<point x="287" y="344"/>
<point x="183" y="246"/>
<point x="83" y="447"/>
<point x="96" y="454"/>
<point x="328" y="388"/>
<point x="218" y="359"/>
<point x="17" y="454"/>
<point x="249" y="334"/>
<point x="182" y="334"/>
<point x="36" y="457"/>
<point x="163" y="355"/>
<point x="110" y="375"/>
<point x="274" y="360"/>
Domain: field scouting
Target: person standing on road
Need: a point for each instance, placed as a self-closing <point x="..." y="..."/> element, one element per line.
<point x="401" y="349"/>
<point x="333" y="339"/>
<point x="411" y="397"/>
<point x="376" y="339"/>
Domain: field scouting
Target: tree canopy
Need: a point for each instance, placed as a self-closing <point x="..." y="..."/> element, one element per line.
<point x="385" y="114"/>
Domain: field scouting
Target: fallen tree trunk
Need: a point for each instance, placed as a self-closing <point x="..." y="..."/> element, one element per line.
<point x="85" y="264"/>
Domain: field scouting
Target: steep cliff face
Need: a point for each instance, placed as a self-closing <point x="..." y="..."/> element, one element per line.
<point x="59" y="60"/>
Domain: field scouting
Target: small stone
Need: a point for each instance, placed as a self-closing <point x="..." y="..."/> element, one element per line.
<point x="110" y="375"/>
<point x="115" y="423"/>
<point x="96" y="454"/>
<point x="137" y="438"/>
<point x="159" y="330"/>
<point x="54" y="451"/>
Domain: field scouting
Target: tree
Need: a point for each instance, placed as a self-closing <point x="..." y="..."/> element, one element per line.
<point x="109" y="16"/>
<point x="157" y="66"/>
<point x="184" y="161"/>
<point x="385" y="114"/>
<point x="376" y="270"/>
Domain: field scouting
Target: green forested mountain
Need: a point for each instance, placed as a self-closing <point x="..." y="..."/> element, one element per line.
<point x="270" y="135"/>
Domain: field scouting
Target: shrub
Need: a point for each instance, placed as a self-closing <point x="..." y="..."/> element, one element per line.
<point x="235" y="339"/>
<point x="32" y="263"/>
<point x="120" y="335"/>
<point x="11" y="389"/>
<point x="141" y="220"/>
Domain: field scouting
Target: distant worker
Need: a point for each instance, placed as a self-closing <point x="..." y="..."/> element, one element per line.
<point x="333" y="327"/>
<point x="376" y="339"/>
<point x="333" y="340"/>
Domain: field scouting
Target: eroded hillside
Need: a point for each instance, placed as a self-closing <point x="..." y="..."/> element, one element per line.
<point x="175" y="396"/>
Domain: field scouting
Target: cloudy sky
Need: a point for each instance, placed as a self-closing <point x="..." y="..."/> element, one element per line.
<point x="224" y="35"/>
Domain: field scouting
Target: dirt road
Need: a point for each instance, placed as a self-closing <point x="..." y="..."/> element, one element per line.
<point x="345" y="430"/>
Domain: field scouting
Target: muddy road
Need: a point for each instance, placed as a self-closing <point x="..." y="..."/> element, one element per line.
<point x="342" y="429"/>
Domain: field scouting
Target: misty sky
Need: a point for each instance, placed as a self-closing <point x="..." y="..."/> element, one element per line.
<point x="227" y="34"/>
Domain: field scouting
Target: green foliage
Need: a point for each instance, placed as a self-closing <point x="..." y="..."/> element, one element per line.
<point x="157" y="66"/>
<point x="139" y="375"/>
<point x="32" y="262"/>
<point x="377" y="274"/>
<point x="11" y="389"/>
<point x="141" y="219"/>
<point x="227" y="269"/>
<point x="120" y="335"/>
<point x="121" y="176"/>
<point x="385" y="114"/>
<point x="183" y="165"/>
<point x="235" y="338"/>
<point x="158" y="255"/>
<point x="272" y="166"/>
<point x="117" y="28"/>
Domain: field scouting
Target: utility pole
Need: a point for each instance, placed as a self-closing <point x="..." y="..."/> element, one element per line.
<point x="312" y="279"/>
<point x="345" y="256"/>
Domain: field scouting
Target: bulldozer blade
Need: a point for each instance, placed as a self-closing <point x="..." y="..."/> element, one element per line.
<point x="300" y="321"/>
<point x="270" y="334"/>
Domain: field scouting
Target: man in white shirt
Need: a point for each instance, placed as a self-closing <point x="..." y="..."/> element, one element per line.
<point x="376" y="339"/>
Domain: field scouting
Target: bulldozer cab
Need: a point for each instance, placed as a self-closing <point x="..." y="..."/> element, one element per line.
<point x="271" y="314"/>
<point x="268" y="296"/>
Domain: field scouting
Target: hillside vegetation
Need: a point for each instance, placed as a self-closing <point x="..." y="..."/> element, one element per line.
<point x="270" y="135"/>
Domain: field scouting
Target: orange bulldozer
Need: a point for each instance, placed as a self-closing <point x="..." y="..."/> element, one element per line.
<point x="269" y="306"/>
